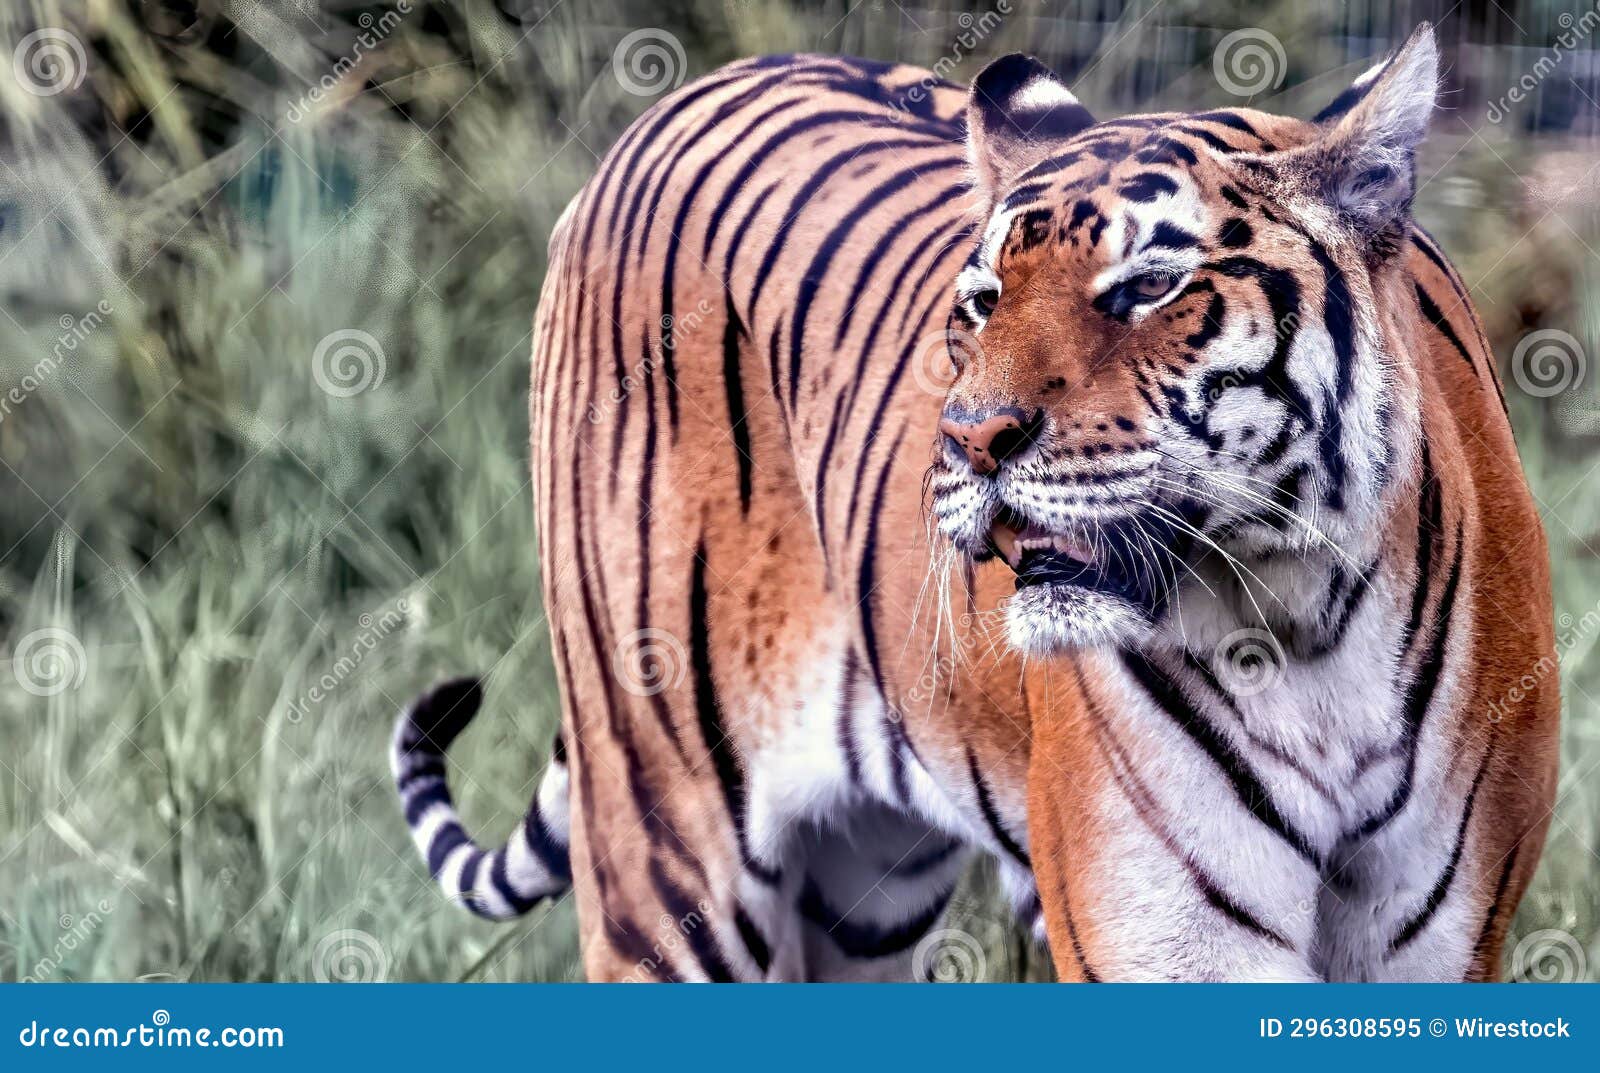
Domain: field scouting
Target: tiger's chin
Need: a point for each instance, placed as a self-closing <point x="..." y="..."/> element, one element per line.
<point x="1050" y="620"/>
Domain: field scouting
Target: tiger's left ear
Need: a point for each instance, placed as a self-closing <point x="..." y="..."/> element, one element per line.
<point x="1017" y="115"/>
<point x="1364" y="164"/>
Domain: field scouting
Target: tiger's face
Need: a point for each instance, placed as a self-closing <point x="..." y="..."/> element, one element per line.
<point x="1170" y="345"/>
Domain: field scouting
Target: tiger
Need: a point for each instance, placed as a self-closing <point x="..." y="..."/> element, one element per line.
<point x="927" y="474"/>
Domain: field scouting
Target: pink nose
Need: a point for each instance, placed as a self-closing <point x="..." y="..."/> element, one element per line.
<point x="989" y="442"/>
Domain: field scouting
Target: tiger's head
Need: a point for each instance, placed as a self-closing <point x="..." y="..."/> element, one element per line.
<point x="1178" y="344"/>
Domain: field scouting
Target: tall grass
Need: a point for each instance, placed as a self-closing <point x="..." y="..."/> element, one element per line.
<point x="245" y="574"/>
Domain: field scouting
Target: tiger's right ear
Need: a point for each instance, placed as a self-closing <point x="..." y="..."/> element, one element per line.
<point x="1017" y="115"/>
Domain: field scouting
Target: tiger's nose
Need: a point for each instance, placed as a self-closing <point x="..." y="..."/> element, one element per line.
<point x="991" y="440"/>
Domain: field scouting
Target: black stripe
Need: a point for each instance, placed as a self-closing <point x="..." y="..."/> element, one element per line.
<point x="446" y="838"/>
<point x="1430" y="526"/>
<point x="1247" y="787"/>
<point x="733" y="384"/>
<point x="647" y="475"/>
<point x="1171" y="236"/>
<point x="1419" y="694"/>
<point x="860" y="940"/>
<point x="1224" y="904"/>
<point x="1145" y="186"/>
<point x="725" y="759"/>
<point x="1436" y="317"/>
<point x="847" y="712"/>
<point x="542" y="842"/>
<point x="1089" y="975"/>
<point x="1481" y="947"/>
<point x="501" y="883"/>
<point x="874" y="261"/>
<point x="1210" y="323"/>
<point x="419" y="801"/>
<point x="817" y="271"/>
<point x="740" y="180"/>
<point x="1441" y="887"/>
<point x="669" y="263"/>
<point x="926" y="863"/>
<point x="704" y="945"/>
<point x="1221" y="145"/>
<point x="754" y="942"/>
<point x="817" y="178"/>
<point x="865" y="576"/>
<point x="1338" y="314"/>
<point x="991" y="816"/>
<point x="1353" y="95"/>
<point x="1227" y="119"/>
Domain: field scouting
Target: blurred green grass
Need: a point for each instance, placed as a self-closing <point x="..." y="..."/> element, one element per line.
<point x="252" y="574"/>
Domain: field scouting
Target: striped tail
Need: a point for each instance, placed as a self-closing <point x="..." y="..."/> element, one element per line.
<point x="498" y="884"/>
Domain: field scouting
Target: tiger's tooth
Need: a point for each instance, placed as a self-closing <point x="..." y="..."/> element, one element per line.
<point x="1073" y="549"/>
<point x="1005" y="539"/>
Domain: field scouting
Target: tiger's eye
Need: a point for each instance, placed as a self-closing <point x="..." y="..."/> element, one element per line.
<point x="985" y="301"/>
<point x="1153" y="285"/>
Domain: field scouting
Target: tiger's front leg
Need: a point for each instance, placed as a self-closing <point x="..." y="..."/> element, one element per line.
<point x="1149" y="871"/>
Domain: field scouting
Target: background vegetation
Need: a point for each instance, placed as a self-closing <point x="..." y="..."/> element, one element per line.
<point x="227" y="558"/>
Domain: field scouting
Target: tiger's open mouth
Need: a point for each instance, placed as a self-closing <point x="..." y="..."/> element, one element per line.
<point x="1072" y="591"/>
<point x="1110" y="565"/>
